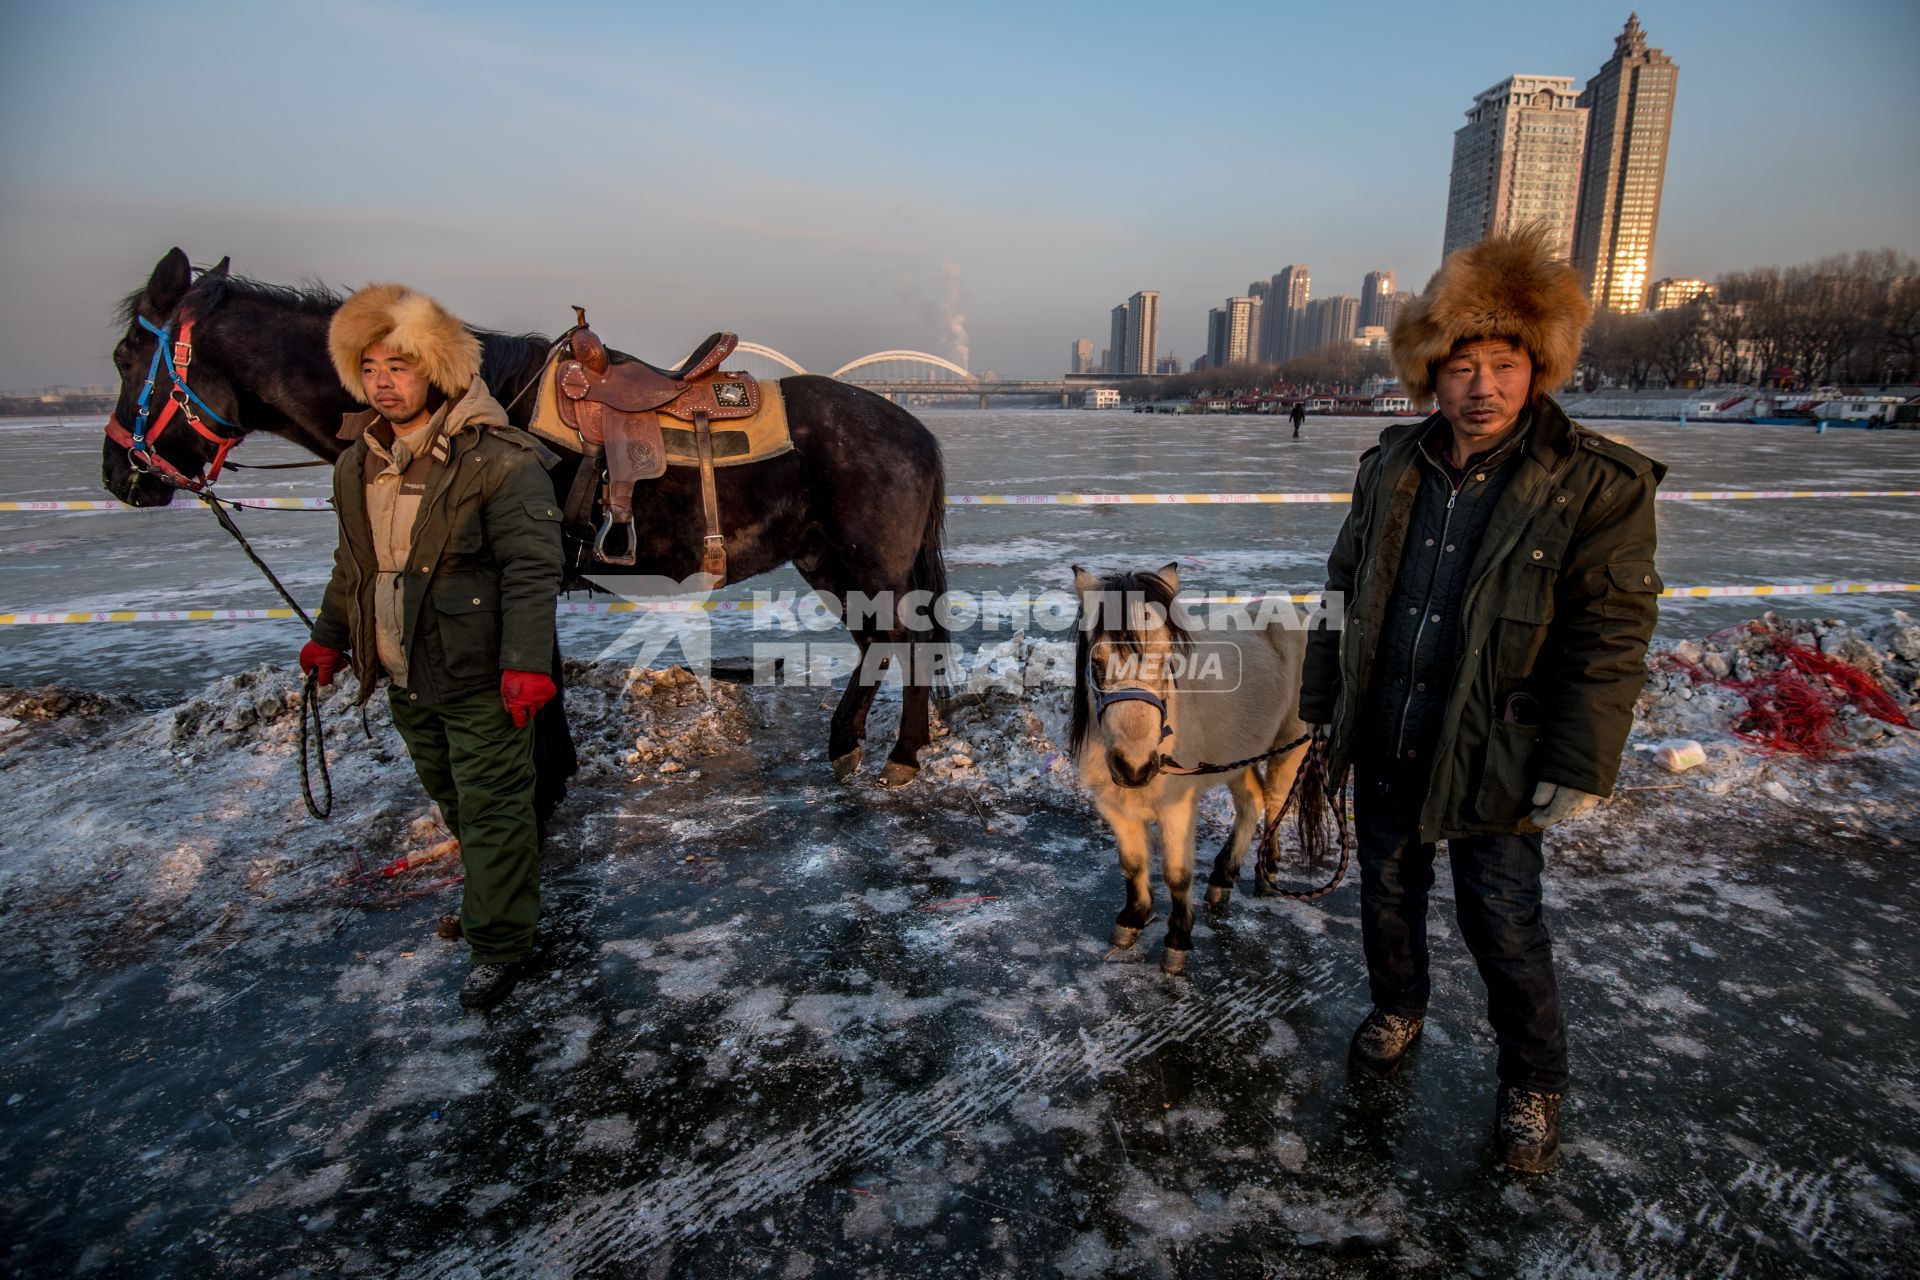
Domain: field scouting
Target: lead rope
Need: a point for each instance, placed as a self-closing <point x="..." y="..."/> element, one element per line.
<point x="313" y="732"/>
<point x="1270" y="838"/>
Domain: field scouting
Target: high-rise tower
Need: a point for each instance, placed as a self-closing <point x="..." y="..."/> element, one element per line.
<point x="1629" y="106"/>
<point x="1378" y="285"/>
<point x="1517" y="161"/>
<point x="1143" y="331"/>
<point x="1286" y="317"/>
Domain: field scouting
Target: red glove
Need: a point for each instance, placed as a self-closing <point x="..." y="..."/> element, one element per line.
<point x="321" y="660"/>
<point x="525" y="692"/>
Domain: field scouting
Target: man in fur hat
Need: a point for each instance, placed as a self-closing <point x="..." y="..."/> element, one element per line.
<point x="444" y="581"/>
<point x="1499" y="586"/>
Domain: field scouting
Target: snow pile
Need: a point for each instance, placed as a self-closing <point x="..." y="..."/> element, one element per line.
<point x="1005" y="733"/>
<point x="652" y="720"/>
<point x="1817" y="687"/>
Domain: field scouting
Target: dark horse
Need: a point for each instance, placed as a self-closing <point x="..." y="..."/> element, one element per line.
<point x="858" y="505"/>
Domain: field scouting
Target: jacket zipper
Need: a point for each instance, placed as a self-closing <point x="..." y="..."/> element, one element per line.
<point x="1366" y="562"/>
<point x="1413" y="658"/>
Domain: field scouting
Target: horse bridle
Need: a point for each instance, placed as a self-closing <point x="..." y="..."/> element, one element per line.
<point x="1102" y="699"/>
<point x="148" y="426"/>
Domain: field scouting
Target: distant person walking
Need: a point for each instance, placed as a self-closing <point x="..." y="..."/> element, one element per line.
<point x="1497" y="572"/>
<point x="1299" y="415"/>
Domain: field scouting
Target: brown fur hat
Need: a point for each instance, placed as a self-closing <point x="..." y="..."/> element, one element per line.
<point x="1511" y="286"/>
<point x="411" y="323"/>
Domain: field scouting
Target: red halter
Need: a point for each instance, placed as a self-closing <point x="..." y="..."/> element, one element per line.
<point x="180" y="400"/>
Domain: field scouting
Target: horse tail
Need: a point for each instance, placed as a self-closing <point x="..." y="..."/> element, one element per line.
<point x="929" y="571"/>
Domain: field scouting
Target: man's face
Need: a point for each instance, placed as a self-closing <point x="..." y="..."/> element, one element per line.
<point x="1482" y="387"/>
<point x="393" y="384"/>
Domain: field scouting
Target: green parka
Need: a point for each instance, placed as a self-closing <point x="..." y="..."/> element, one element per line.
<point x="1561" y="603"/>
<point x="486" y="560"/>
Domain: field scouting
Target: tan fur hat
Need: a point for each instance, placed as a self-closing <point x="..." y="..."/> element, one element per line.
<point x="411" y="323"/>
<point x="1511" y="286"/>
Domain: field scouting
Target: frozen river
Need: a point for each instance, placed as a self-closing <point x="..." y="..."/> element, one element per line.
<point x="180" y="559"/>
<point x="785" y="1027"/>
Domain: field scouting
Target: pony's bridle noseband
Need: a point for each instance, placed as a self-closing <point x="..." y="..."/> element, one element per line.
<point x="181" y="400"/>
<point x="1102" y="699"/>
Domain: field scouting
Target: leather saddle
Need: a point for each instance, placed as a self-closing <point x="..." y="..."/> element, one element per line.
<point x="614" y="404"/>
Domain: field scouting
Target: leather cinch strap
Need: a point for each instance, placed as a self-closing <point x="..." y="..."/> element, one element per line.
<point x="714" y="562"/>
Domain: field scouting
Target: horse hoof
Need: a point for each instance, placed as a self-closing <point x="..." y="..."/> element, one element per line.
<point x="1219" y="898"/>
<point x="846" y="766"/>
<point x="897" y="774"/>
<point x="1265" y="888"/>
<point x="1174" y="961"/>
<point x="1124" y="936"/>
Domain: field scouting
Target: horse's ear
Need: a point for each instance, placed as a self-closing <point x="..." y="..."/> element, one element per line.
<point x="168" y="283"/>
<point x="1169" y="573"/>
<point x="1084" y="583"/>
<point x="222" y="267"/>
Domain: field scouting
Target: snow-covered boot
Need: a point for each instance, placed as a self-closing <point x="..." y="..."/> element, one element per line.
<point x="1382" y="1040"/>
<point x="1526" y="1129"/>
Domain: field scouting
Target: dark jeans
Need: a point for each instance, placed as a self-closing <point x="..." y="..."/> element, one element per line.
<point x="1496" y="885"/>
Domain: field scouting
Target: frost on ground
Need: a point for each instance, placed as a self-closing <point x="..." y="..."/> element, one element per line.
<point x="123" y="820"/>
<point x="792" y="1027"/>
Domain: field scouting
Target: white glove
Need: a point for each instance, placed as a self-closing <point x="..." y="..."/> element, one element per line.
<point x="1553" y="803"/>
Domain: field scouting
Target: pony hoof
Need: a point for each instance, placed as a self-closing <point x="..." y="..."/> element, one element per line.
<point x="1174" y="961"/>
<point x="1124" y="936"/>
<point x="846" y="766"/>
<point x="1219" y="898"/>
<point x="897" y="774"/>
<point x="1265" y="888"/>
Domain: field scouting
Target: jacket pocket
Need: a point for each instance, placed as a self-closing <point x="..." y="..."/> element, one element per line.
<point x="467" y="614"/>
<point x="1632" y="585"/>
<point x="1522" y="627"/>
<point x="1506" y="779"/>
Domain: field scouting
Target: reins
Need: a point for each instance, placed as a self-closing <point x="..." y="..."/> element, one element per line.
<point x="313" y="732"/>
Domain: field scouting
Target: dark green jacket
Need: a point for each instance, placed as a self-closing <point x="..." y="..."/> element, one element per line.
<point x="486" y="557"/>
<point x="1561" y="602"/>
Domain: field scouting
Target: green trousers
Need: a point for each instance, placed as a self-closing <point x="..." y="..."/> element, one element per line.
<point x="479" y="769"/>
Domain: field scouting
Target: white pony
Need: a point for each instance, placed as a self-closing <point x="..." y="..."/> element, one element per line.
<point x="1152" y="702"/>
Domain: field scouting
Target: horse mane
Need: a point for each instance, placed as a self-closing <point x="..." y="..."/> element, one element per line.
<point x="1117" y="592"/>
<point x="210" y="291"/>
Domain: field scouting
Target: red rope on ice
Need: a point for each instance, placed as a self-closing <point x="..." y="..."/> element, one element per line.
<point x="1796" y="707"/>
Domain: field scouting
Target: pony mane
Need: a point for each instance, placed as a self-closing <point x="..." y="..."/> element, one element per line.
<point x="1117" y="593"/>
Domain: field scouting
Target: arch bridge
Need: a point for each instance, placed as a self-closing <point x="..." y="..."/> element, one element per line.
<point x="901" y="372"/>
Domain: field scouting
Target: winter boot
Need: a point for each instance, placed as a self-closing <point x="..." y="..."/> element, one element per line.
<point x="1382" y="1041"/>
<point x="1526" y="1129"/>
<point x="488" y="984"/>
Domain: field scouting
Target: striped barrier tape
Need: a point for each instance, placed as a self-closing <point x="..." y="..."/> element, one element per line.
<point x="746" y="606"/>
<point x="1056" y="499"/>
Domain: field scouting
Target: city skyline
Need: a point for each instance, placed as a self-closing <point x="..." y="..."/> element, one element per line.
<point x="877" y="194"/>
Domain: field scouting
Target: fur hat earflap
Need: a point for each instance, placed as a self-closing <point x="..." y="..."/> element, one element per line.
<point x="412" y="324"/>
<point x="1511" y="286"/>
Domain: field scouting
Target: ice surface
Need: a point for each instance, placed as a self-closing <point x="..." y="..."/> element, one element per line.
<point x="787" y="1027"/>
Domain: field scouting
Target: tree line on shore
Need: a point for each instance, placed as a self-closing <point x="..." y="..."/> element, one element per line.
<point x="1852" y="320"/>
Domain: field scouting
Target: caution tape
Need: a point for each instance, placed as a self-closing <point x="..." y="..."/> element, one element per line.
<point x="265" y="504"/>
<point x="1052" y="499"/>
<point x="577" y="607"/>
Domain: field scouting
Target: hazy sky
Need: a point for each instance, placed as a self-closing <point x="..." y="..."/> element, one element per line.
<point x="834" y="179"/>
